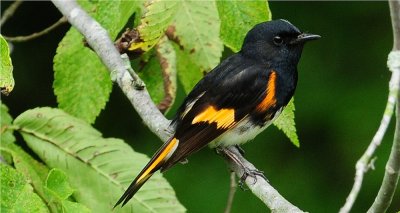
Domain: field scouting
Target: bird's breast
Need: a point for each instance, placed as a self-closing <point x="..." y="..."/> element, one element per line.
<point x="244" y="131"/>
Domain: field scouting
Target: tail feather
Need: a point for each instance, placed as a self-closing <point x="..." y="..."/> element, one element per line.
<point x="152" y="166"/>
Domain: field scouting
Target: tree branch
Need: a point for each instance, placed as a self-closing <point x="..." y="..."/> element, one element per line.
<point x="131" y="85"/>
<point x="363" y="164"/>
<point x="61" y="21"/>
<point x="392" y="171"/>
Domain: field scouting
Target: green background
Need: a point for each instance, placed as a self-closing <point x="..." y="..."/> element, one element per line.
<point x="340" y="99"/>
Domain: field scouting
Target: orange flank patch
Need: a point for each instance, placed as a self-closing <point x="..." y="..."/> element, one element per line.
<point x="164" y="153"/>
<point x="269" y="99"/>
<point x="223" y="117"/>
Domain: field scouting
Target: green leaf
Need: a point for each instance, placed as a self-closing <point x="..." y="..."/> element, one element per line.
<point x="99" y="169"/>
<point x="57" y="184"/>
<point x="16" y="194"/>
<point x="82" y="83"/>
<point x="6" y="68"/>
<point x="188" y="72"/>
<point x="167" y="58"/>
<point x="73" y="207"/>
<point x="238" y="17"/>
<point x="285" y="122"/>
<point x="155" y="20"/>
<point x="197" y="29"/>
<point x="151" y="74"/>
<point x="34" y="171"/>
<point x="5" y="121"/>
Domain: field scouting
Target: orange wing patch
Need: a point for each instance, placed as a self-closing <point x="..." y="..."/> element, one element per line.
<point x="269" y="99"/>
<point x="224" y="118"/>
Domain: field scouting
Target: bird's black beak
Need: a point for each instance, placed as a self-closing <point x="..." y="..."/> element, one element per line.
<point x="305" y="37"/>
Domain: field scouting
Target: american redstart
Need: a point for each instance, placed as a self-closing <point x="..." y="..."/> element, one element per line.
<point x="236" y="101"/>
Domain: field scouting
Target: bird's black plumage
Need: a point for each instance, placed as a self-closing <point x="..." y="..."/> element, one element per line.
<point x="236" y="100"/>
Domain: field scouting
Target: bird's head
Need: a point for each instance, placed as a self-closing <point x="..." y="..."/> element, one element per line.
<point x="275" y="41"/>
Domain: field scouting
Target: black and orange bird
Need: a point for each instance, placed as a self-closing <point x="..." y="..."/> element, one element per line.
<point x="236" y="101"/>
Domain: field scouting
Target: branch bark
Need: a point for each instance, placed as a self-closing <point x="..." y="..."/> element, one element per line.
<point x="121" y="72"/>
<point x="393" y="166"/>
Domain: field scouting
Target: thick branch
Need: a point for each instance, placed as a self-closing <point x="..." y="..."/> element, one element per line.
<point x="363" y="163"/>
<point x="392" y="172"/>
<point x="98" y="39"/>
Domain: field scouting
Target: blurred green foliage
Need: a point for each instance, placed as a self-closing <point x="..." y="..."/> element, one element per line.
<point x="340" y="99"/>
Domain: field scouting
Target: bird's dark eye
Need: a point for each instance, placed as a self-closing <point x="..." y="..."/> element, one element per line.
<point x="278" y="40"/>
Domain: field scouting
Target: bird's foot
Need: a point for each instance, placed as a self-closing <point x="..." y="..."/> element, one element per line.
<point x="184" y="161"/>
<point x="250" y="173"/>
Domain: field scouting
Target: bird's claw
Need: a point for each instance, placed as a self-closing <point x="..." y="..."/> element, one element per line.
<point x="253" y="174"/>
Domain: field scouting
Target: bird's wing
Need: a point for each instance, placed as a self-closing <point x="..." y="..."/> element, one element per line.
<point x="234" y="93"/>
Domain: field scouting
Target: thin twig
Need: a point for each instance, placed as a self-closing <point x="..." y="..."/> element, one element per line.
<point x="61" y="21"/>
<point x="392" y="171"/>
<point x="363" y="163"/>
<point x="394" y="6"/>
<point x="232" y="191"/>
<point x="98" y="39"/>
<point x="10" y="11"/>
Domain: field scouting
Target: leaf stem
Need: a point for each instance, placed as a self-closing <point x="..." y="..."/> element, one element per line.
<point x="8" y="127"/>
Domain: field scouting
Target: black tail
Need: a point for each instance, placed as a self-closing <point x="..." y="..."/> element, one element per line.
<point x="152" y="166"/>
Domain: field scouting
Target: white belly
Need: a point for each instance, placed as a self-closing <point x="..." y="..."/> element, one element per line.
<point x="242" y="133"/>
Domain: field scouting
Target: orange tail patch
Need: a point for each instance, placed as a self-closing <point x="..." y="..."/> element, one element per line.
<point x="152" y="166"/>
<point x="163" y="155"/>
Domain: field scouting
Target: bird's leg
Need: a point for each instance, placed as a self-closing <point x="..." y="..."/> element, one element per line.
<point x="246" y="171"/>
<point x="241" y="150"/>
